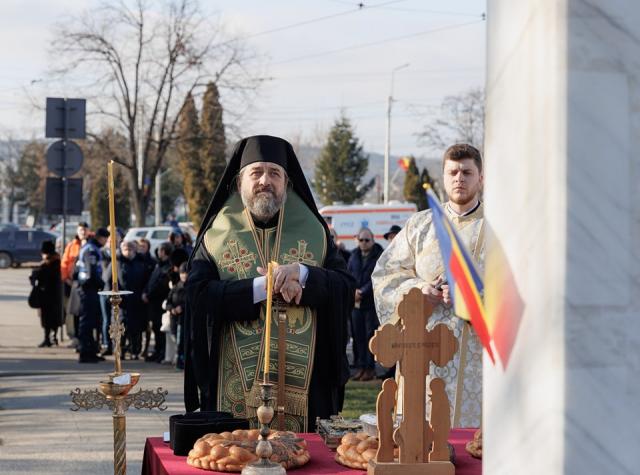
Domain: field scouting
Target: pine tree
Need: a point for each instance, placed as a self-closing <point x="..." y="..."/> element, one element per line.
<point x="99" y="205"/>
<point x="31" y="177"/>
<point x="425" y="178"/>
<point x="100" y="200"/>
<point x="212" y="152"/>
<point x="341" y="166"/>
<point x="413" y="190"/>
<point x="188" y="147"/>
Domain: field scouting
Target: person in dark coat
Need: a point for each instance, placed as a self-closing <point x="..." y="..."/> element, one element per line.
<point x="89" y="276"/>
<point x="47" y="278"/>
<point x="364" y="320"/>
<point x="132" y="273"/>
<point x="175" y="305"/>
<point x="154" y="295"/>
<point x="263" y="211"/>
<point x="144" y="252"/>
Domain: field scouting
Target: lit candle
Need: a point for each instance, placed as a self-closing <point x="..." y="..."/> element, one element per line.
<point x="112" y="228"/>
<point x="267" y="322"/>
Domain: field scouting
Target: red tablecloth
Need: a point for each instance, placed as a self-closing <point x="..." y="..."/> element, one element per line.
<point x="159" y="459"/>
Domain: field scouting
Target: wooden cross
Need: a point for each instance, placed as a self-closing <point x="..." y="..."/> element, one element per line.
<point x="413" y="347"/>
<point x="237" y="260"/>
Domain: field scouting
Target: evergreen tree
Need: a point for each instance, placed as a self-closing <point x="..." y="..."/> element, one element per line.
<point x="341" y="166"/>
<point x="413" y="190"/>
<point x="425" y="178"/>
<point x="99" y="205"/>
<point x="212" y="153"/>
<point x="31" y="176"/>
<point x="188" y="147"/>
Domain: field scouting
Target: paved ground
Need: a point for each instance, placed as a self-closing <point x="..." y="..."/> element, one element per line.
<point x="38" y="431"/>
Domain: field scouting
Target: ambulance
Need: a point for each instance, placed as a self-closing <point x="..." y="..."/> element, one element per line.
<point x="347" y="220"/>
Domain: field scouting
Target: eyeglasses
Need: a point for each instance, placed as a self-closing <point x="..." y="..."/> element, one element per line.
<point x="364" y="240"/>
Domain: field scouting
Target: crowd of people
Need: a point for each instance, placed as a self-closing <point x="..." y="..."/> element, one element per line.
<point x="152" y="314"/>
<point x="208" y="317"/>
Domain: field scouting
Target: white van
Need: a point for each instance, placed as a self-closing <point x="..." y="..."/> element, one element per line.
<point x="347" y="220"/>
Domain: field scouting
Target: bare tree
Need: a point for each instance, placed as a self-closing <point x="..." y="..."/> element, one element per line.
<point x="142" y="59"/>
<point x="461" y="119"/>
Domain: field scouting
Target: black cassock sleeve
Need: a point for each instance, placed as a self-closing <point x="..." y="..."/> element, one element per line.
<point x="210" y="303"/>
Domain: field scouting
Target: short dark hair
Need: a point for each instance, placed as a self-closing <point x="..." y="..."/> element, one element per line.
<point x="461" y="151"/>
<point x="166" y="247"/>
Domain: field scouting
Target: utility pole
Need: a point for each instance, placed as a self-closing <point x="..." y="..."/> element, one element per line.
<point x="387" y="144"/>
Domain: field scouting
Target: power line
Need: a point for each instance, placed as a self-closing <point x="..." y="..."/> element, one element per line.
<point x="376" y="73"/>
<point x="420" y="10"/>
<point x="312" y="20"/>
<point x="374" y="43"/>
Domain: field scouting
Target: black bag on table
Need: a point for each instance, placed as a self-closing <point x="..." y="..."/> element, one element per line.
<point x="185" y="429"/>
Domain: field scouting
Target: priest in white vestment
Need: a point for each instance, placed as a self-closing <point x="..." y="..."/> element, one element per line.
<point x="413" y="259"/>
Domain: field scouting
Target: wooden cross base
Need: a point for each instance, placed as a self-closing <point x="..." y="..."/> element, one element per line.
<point x="422" y="444"/>
<point x="431" y="468"/>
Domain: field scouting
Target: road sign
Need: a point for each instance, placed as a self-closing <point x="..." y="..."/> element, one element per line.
<point x="65" y="118"/>
<point x="64" y="158"/>
<point x="54" y="198"/>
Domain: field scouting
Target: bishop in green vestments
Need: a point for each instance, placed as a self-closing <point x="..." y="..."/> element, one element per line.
<point x="263" y="211"/>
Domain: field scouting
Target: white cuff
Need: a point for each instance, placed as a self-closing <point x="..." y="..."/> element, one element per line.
<point x="259" y="292"/>
<point x="304" y="273"/>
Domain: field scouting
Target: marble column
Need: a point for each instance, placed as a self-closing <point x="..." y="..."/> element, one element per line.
<point x="562" y="152"/>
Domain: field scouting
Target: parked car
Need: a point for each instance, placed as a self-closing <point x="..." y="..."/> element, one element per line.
<point x="155" y="234"/>
<point x="20" y="245"/>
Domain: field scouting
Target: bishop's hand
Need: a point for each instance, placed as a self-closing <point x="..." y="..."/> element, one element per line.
<point x="283" y="275"/>
<point x="291" y="292"/>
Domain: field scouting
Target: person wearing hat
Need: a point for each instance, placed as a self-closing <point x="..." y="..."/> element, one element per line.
<point x="47" y="278"/>
<point x="263" y="211"/>
<point x="393" y="230"/>
<point x="89" y="275"/>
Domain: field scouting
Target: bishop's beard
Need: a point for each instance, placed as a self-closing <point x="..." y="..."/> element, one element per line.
<point x="263" y="203"/>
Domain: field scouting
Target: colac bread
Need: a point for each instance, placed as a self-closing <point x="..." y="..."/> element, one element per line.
<point x="232" y="451"/>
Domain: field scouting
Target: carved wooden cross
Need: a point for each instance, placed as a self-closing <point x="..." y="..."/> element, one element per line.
<point x="413" y="347"/>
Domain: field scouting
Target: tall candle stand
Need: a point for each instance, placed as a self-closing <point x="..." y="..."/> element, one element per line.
<point x="114" y="391"/>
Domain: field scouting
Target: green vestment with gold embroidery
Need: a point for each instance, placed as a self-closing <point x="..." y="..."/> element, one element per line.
<point x="238" y="248"/>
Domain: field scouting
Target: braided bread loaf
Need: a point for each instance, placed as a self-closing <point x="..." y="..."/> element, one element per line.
<point x="231" y="451"/>
<point x="356" y="449"/>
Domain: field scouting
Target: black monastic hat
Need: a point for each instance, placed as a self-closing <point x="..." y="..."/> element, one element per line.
<point x="259" y="148"/>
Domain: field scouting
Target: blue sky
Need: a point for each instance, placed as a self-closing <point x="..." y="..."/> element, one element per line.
<point x="445" y="49"/>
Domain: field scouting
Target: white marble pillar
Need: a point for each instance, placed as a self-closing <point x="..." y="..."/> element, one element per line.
<point x="562" y="152"/>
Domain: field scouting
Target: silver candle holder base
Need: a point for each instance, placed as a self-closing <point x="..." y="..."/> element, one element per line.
<point x="264" y="450"/>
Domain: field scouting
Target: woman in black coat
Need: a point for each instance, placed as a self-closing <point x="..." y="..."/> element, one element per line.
<point x="48" y="279"/>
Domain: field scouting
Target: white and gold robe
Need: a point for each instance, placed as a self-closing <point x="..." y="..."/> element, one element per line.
<point x="413" y="259"/>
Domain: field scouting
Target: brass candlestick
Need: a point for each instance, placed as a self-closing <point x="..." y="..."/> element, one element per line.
<point x="263" y="449"/>
<point x="114" y="392"/>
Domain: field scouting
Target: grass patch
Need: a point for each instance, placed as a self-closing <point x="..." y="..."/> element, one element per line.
<point x="360" y="398"/>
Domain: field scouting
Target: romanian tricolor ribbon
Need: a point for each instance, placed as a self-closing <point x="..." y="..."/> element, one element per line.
<point x="465" y="283"/>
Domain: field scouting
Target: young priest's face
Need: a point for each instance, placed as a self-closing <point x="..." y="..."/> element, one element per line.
<point x="462" y="180"/>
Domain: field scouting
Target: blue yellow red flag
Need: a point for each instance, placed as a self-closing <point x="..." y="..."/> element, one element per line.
<point x="465" y="283"/>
